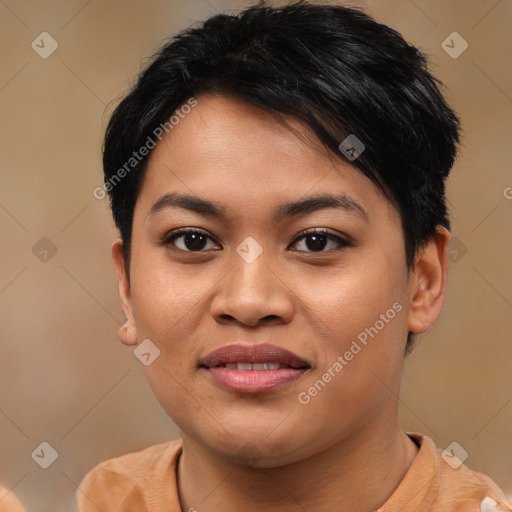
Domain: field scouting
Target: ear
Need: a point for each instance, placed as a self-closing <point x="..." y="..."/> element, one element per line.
<point x="427" y="283"/>
<point x="128" y="332"/>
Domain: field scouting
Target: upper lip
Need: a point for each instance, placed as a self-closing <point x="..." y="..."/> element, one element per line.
<point x="252" y="353"/>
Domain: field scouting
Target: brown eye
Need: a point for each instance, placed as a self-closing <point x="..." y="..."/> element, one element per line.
<point x="318" y="240"/>
<point x="190" y="240"/>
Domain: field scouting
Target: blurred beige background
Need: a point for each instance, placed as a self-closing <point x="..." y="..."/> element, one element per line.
<point x="66" y="380"/>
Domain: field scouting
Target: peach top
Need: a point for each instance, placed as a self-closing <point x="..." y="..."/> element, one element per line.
<point x="146" y="481"/>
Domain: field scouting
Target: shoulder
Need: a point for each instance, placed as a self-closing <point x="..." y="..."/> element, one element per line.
<point x="438" y="480"/>
<point x="126" y="479"/>
<point x="9" y="501"/>
<point x="462" y="488"/>
<point x="133" y="466"/>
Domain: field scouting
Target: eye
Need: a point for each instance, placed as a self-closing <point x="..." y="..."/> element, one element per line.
<point x="195" y="240"/>
<point x="317" y="239"/>
<point x="188" y="240"/>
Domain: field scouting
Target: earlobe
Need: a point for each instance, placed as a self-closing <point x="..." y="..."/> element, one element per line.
<point x="427" y="284"/>
<point x="128" y="331"/>
<point x="128" y="334"/>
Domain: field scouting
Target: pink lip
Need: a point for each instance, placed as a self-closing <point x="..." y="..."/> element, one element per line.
<point x="253" y="381"/>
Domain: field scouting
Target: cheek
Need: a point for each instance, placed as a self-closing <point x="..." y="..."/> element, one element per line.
<point x="359" y="314"/>
<point x="359" y="375"/>
<point x="345" y="300"/>
<point x="166" y="297"/>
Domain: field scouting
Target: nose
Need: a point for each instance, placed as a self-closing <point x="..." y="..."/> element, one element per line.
<point x="252" y="294"/>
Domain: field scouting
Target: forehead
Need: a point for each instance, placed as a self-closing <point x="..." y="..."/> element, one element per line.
<point x="220" y="127"/>
<point x="237" y="152"/>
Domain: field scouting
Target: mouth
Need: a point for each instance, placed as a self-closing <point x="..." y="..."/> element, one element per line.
<point x="253" y="369"/>
<point x="266" y="366"/>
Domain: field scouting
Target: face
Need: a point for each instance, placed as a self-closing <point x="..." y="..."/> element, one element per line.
<point x="325" y="280"/>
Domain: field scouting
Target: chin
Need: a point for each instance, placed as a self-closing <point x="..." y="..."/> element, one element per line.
<point x="257" y="449"/>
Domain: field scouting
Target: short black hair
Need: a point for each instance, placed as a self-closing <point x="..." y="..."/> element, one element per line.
<point x="332" y="67"/>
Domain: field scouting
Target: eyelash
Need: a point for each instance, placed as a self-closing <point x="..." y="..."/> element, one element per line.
<point x="171" y="237"/>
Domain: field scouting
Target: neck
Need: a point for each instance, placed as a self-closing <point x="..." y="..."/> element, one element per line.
<point x="358" y="473"/>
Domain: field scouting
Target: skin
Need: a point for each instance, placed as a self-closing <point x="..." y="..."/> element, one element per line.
<point x="344" y="450"/>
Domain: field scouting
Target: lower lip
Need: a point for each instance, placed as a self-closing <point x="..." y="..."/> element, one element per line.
<point x="253" y="381"/>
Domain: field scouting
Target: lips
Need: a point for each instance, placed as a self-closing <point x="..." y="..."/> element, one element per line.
<point x="252" y="369"/>
<point x="255" y="355"/>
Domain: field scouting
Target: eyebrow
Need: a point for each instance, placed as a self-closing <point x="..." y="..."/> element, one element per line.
<point x="286" y="210"/>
